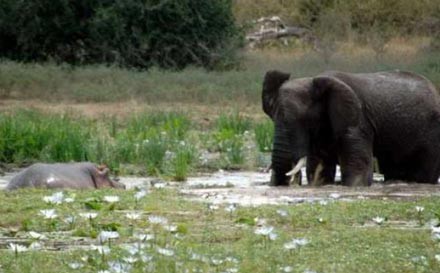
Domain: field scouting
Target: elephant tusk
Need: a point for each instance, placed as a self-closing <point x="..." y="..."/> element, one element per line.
<point x="301" y="163"/>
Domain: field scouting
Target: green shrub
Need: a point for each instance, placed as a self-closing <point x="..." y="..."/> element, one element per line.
<point x="132" y="33"/>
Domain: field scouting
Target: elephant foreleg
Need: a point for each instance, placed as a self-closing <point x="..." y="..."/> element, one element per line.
<point x="356" y="160"/>
<point x="320" y="171"/>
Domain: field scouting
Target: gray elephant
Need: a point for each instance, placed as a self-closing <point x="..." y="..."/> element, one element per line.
<point x="346" y="119"/>
<point x="64" y="175"/>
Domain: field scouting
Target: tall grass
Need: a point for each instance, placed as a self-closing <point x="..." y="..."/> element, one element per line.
<point x="142" y="140"/>
<point x="29" y="135"/>
<point x="264" y="132"/>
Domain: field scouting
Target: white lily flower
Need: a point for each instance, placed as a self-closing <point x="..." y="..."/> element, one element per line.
<point x="420" y="209"/>
<point x="157" y="220"/>
<point x="36" y="235"/>
<point x="56" y="198"/>
<point x="76" y="265"/>
<point x="437" y="257"/>
<point x="273" y="236"/>
<point x="111" y="199"/>
<point x="130" y="260"/>
<point x="48" y="213"/>
<point x="89" y="215"/>
<point x="231" y="208"/>
<point x="145" y="237"/>
<point x="170" y="228"/>
<point x="107" y="235"/>
<point x="165" y="251"/>
<point x="287" y="269"/>
<point x="435" y="229"/>
<point x="295" y="243"/>
<point x="69" y="200"/>
<point x="103" y="250"/>
<point x="282" y="213"/>
<point x="133" y="215"/>
<point x="140" y="194"/>
<point x="17" y="247"/>
<point x="118" y="267"/>
<point x="265" y="231"/>
<point x="378" y="220"/>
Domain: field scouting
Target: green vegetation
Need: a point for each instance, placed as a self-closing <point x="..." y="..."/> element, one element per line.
<point x="132" y="33"/>
<point x="264" y="135"/>
<point x="160" y="144"/>
<point x="49" y="82"/>
<point x="162" y="232"/>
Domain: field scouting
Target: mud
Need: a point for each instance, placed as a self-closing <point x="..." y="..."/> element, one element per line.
<point x="252" y="189"/>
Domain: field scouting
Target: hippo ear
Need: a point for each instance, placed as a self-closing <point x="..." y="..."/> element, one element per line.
<point x="271" y="85"/>
<point x="103" y="171"/>
<point x="344" y="106"/>
<point x="100" y="178"/>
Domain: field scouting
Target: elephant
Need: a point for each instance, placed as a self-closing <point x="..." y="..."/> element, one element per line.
<point x="349" y="118"/>
<point x="82" y="175"/>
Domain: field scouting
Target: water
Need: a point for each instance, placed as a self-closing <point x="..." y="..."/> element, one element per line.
<point x="251" y="189"/>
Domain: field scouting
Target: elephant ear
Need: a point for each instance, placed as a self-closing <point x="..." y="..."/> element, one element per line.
<point x="343" y="105"/>
<point x="271" y="85"/>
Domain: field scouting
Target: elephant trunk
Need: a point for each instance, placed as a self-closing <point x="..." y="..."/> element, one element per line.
<point x="282" y="157"/>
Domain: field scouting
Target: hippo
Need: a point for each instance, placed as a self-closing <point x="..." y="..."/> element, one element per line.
<point x="82" y="175"/>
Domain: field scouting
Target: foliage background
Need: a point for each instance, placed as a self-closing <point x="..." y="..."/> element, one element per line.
<point x="131" y="33"/>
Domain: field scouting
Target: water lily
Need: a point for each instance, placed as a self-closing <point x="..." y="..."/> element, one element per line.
<point x="378" y="220"/>
<point x="157" y="220"/>
<point x="36" y="235"/>
<point x="17" y="247"/>
<point x="282" y="213"/>
<point x="118" y="267"/>
<point x="231" y="208"/>
<point x="56" y="198"/>
<point x="103" y="250"/>
<point x="48" y="213"/>
<point x="265" y="230"/>
<point x="435" y="229"/>
<point x="335" y="195"/>
<point x="130" y="260"/>
<point x="146" y="258"/>
<point x="70" y="220"/>
<point x="165" y="251"/>
<point x="145" y="237"/>
<point x="133" y="215"/>
<point x="111" y="199"/>
<point x="213" y="207"/>
<point x="107" y="235"/>
<point x="295" y="243"/>
<point x="69" y="200"/>
<point x="140" y="194"/>
<point x="273" y="236"/>
<point x="76" y="265"/>
<point x="89" y="215"/>
<point x="35" y="246"/>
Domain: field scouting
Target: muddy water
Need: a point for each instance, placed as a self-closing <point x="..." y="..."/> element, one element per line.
<point x="252" y="189"/>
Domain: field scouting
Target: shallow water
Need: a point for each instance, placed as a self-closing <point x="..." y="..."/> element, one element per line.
<point x="251" y="189"/>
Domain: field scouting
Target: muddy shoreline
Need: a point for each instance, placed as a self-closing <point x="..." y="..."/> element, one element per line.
<point x="252" y="189"/>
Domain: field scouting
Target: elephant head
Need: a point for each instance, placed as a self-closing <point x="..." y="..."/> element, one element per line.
<point x="302" y="109"/>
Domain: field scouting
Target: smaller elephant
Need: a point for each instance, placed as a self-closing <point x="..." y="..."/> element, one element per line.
<point x="64" y="175"/>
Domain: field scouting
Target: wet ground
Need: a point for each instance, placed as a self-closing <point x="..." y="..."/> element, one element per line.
<point x="252" y="189"/>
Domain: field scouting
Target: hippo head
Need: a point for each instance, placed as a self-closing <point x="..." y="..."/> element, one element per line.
<point x="102" y="179"/>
